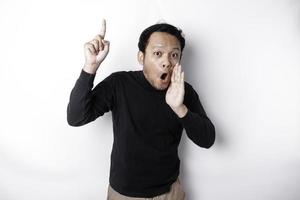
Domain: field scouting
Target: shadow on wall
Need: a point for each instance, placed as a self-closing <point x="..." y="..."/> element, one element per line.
<point x="193" y="62"/>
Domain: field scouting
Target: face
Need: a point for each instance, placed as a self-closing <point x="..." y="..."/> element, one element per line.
<point x="161" y="55"/>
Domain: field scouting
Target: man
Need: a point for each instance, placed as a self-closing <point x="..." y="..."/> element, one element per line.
<point x="149" y="108"/>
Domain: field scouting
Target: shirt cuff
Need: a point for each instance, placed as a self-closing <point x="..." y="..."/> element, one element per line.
<point x="186" y="118"/>
<point x="86" y="79"/>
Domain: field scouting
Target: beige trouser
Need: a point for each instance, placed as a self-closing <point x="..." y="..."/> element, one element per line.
<point x="176" y="193"/>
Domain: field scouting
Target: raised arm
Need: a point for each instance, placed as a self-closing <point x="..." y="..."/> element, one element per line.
<point x="85" y="104"/>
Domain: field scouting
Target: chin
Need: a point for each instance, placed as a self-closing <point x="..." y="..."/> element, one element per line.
<point x="162" y="87"/>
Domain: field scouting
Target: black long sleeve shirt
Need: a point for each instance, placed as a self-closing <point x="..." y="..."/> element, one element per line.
<point x="144" y="157"/>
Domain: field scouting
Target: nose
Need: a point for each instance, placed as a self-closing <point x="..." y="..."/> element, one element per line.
<point x="166" y="63"/>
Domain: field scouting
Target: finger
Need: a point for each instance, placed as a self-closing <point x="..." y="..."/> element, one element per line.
<point x="103" y="28"/>
<point x="95" y="43"/>
<point x="178" y="73"/>
<point x="182" y="77"/>
<point x="182" y="81"/>
<point x="91" y="48"/>
<point x="106" y="45"/>
<point x="173" y="74"/>
<point x="102" y="44"/>
<point x="99" y="39"/>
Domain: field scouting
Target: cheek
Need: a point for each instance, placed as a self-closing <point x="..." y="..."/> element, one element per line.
<point x="150" y="68"/>
<point x="153" y="60"/>
<point x="152" y="64"/>
<point x="175" y="60"/>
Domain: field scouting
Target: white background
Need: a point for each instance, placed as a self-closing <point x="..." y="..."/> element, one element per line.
<point x="242" y="57"/>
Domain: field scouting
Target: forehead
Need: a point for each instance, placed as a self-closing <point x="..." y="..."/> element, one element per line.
<point x="162" y="39"/>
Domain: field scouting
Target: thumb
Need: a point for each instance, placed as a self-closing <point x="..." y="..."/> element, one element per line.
<point x="106" y="45"/>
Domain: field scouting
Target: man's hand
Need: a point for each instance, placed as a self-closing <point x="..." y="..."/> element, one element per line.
<point x="175" y="92"/>
<point x="95" y="51"/>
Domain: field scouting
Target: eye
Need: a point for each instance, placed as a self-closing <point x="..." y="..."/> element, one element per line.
<point x="174" y="55"/>
<point x="157" y="53"/>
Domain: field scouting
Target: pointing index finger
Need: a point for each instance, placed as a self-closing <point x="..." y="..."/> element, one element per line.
<point x="103" y="28"/>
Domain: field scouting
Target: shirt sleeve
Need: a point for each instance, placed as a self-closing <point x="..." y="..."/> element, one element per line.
<point x="86" y="104"/>
<point x="197" y="125"/>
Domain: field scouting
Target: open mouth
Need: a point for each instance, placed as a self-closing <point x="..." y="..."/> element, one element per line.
<point x="163" y="76"/>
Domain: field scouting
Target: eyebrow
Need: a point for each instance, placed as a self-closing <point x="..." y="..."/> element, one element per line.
<point x="159" y="46"/>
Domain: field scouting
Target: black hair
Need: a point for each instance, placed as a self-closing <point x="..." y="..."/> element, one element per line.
<point x="161" y="27"/>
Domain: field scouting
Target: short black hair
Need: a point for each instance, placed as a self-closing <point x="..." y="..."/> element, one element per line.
<point x="161" y="27"/>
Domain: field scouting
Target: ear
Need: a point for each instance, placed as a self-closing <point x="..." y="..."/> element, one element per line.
<point x="140" y="57"/>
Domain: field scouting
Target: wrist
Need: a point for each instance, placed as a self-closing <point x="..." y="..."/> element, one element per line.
<point x="180" y="110"/>
<point x="90" y="68"/>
